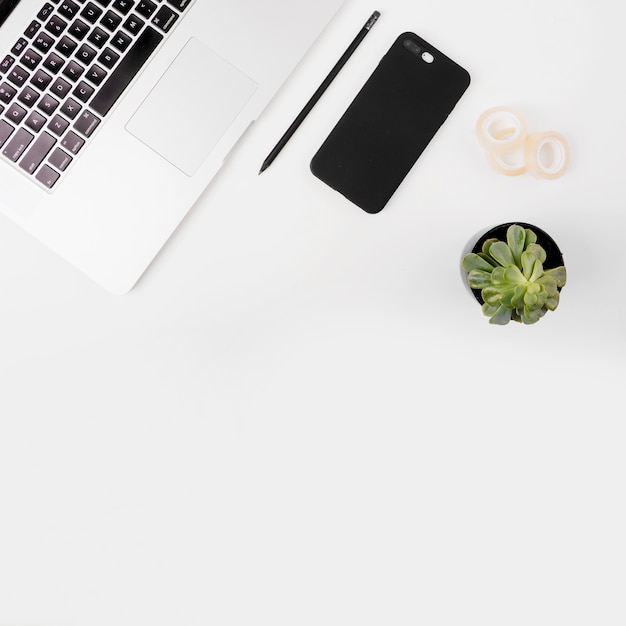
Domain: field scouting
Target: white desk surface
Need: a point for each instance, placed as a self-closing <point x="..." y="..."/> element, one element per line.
<point x="299" y="415"/>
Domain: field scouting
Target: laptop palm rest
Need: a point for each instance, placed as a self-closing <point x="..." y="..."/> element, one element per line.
<point x="191" y="107"/>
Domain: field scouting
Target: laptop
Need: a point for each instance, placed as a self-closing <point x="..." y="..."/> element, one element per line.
<point x="116" y="114"/>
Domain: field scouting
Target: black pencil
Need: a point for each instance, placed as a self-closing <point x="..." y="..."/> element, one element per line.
<point x="320" y="90"/>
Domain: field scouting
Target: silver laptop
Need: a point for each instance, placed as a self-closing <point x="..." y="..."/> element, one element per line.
<point x="116" y="114"/>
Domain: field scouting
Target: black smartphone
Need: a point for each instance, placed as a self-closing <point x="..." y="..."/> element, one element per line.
<point x="390" y="122"/>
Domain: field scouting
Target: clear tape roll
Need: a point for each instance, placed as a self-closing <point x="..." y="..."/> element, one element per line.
<point x="510" y="164"/>
<point x="547" y="154"/>
<point x="490" y="127"/>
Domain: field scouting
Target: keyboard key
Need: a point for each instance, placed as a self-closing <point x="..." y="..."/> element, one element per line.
<point x="146" y="8"/>
<point x="32" y="29"/>
<point x="15" y="148"/>
<point x="41" y="79"/>
<point x="86" y="54"/>
<point x="35" y="121"/>
<point x="87" y="123"/>
<point x="28" y="96"/>
<point x="72" y="142"/>
<point x="58" y="125"/>
<point x="30" y="59"/>
<point x="43" y="42"/>
<point x="71" y="108"/>
<point x="66" y="46"/>
<point x="47" y="104"/>
<point x="108" y="58"/>
<point x="6" y="131"/>
<point x="78" y="29"/>
<point x="91" y="12"/>
<point x="15" y="113"/>
<point x="6" y="63"/>
<point x="83" y="91"/>
<point x="165" y="18"/>
<point x="47" y="176"/>
<point x="73" y="70"/>
<point x="123" y="6"/>
<point x="45" y="12"/>
<point x="6" y="93"/>
<point x="121" y="41"/>
<point x="37" y="153"/>
<point x="53" y="62"/>
<point x="111" y="20"/>
<point x="19" y="47"/>
<point x="56" y="25"/>
<point x="98" y="37"/>
<point x="96" y="75"/>
<point x="60" y="159"/>
<point x="60" y="88"/>
<point x="69" y="9"/>
<point x="124" y="73"/>
<point x="133" y="24"/>
<point x="18" y="76"/>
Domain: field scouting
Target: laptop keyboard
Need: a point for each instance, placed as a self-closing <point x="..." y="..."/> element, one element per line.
<point x="63" y="76"/>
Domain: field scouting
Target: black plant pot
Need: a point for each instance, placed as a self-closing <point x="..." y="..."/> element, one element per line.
<point x="554" y="257"/>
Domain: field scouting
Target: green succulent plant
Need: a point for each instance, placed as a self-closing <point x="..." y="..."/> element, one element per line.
<point x="512" y="280"/>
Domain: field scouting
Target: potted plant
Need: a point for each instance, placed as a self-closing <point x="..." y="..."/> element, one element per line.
<point x="516" y="272"/>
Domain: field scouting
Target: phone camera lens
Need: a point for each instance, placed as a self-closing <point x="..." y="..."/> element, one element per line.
<point x="412" y="46"/>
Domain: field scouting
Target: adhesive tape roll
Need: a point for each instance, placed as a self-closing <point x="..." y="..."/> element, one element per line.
<point x="489" y="129"/>
<point x="510" y="164"/>
<point x="547" y="154"/>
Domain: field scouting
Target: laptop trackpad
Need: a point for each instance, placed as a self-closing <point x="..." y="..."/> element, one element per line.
<point x="191" y="106"/>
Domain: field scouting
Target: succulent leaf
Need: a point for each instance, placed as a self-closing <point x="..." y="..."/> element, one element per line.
<point x="497" y="276"/>
<point x="515" y="238"/>
<point x="491" y="295"/>
<point x="549" y="283"/>
<point x="479" y="278"/>
<point x="472" y="261"/>
<point x="486" y="257"/>
<point x="527" y="262"/>
<point x="501" y="317"/>
<point x="506" y="298"/>
<point x="538" y="251"/>
<point x="552" y="302"/>
<point x="531" y="317"/>
<point x="537" y="271"/>
<point x="489" y="310"/>
<point x="518" y="297"/>
<point x="501" y="252"/>
<point x="530" y="300"/>
<point x="513" y="274"/>
<point x="487" y="245"/>
<point x="531" y="237"/>
<point x="559" y="274"/>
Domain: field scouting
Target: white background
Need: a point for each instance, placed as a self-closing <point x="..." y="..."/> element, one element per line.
<point x="299" y="415"/>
